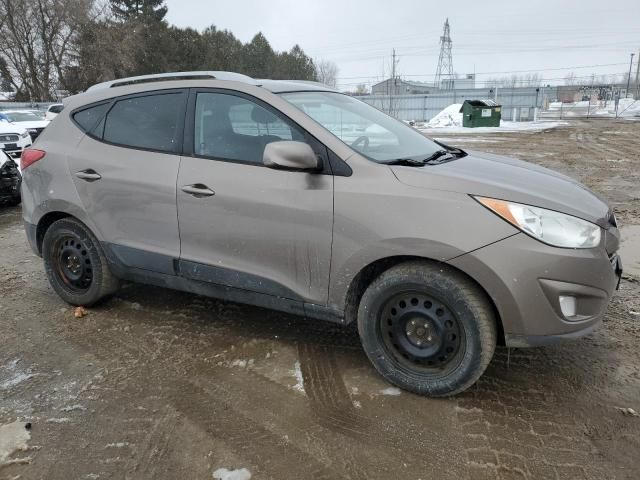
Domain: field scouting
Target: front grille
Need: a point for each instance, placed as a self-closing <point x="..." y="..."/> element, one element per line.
<point x="9" y="138"/>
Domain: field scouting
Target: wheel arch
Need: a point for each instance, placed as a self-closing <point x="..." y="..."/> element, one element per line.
<point x="45" y="222"/>
<point x="370" y="272"/>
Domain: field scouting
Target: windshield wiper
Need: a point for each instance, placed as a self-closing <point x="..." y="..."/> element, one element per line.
<point x="436" y="158"/>
<point x="409" y="162"/>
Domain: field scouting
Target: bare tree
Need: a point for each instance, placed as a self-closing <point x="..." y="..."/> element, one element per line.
<point x="361" y="89"/>
<point x="327" y="72"/>
<point x="36" y="42"/>
<point x="570" y="79"/>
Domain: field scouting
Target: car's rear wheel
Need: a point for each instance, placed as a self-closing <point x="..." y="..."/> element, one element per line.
<point x="427" y="328"/>
<point x="75" y="264"/>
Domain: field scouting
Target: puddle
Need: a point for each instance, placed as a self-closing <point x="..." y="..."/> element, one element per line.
<point x="630" y="249"/>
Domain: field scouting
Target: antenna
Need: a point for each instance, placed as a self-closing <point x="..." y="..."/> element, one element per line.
<point x="445" y="62"/>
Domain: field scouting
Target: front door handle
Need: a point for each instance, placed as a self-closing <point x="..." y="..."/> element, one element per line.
<point x="198" y="190"/>
<point x="89" y="175"/>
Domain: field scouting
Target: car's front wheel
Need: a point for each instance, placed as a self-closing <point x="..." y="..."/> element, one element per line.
<point x="427" y="328"/>
<point x="75" y="264"/>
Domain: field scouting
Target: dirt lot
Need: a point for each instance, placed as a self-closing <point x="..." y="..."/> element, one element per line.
<point x="156" y="384"/>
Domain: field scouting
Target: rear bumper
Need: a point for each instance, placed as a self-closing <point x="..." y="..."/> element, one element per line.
<point x="32" y="235"/>
<point x="525" y="279"/>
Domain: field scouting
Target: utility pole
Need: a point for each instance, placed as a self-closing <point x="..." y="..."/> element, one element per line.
<point x="626" y="93"/>
<point x="393" y="71"/>
<point x="638" y="78"/>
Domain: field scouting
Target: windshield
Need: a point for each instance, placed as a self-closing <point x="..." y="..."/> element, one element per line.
<point x="367" y="130"/>
<point x="23" y="117"/>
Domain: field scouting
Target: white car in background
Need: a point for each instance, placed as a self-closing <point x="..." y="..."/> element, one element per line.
<point x="34" y="123"/>
<point x="53" y="111"/>
<point x="14" y="138"/>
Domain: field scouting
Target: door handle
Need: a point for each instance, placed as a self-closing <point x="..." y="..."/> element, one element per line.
<point x="89" y="175"/>
<point x="198" y="190"/>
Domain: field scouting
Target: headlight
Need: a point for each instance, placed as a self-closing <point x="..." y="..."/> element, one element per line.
<point x="553" y="228"/>
<point x="24" y="135"/>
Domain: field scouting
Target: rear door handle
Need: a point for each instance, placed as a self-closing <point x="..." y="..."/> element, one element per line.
<point x="198" y="190"/>
<point x="89" y="175"/>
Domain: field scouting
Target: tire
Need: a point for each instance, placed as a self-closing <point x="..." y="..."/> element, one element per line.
<point x="75" y="264"/>
<point x="427" y="328"/>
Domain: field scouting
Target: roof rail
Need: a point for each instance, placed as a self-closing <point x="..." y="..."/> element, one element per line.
<point x="159" y="77"/>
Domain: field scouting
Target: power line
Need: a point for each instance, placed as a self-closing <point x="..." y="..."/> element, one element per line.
<point x="503" y="72"/>
<point x="489" y="83"/>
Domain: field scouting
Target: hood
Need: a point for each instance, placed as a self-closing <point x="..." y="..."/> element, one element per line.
<point x="34" y="124"/>
<point x="8" y="127"/>
<point x="504" y="178"/>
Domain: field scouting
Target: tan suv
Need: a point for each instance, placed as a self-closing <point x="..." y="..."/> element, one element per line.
<point x="295" y="197"/>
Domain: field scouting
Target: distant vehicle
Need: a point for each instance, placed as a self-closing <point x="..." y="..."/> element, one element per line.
<point x="258" y="191"/>
<point x="10" y="180"/>
<point x="14" y="138"/>
<point x="53" y="111"/>
<point x="34" y="124"/>
<point x="39" y="113"/>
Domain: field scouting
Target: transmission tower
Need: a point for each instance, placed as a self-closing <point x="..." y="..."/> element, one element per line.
<point x="445" y="62"/>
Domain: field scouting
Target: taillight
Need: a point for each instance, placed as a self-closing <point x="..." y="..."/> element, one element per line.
<point x="30" y="156"/>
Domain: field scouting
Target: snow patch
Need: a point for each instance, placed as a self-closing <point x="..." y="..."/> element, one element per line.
<point x="449" y="117"/>
<point x="72" y="408"/>
<point x="392" y="391"/>
<point x="297" y="372"/>
<point x="117" y="445"/>
<point x="467" y="410"/>
<point x="15" y="380"/>
<point x="58" y="420"/>
<point x="14" y="437"/>
<point x="224" y="474"/>
<point x="16" y="376"/>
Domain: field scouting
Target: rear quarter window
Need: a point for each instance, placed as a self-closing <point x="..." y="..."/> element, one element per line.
<point x="87" y="118"/>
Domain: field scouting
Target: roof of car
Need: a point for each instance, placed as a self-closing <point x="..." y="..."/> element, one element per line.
<point x="276" y="86"/>
<point x="280" y="86"/>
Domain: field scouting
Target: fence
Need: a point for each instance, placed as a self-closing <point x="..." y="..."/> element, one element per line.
<point x="518" y="104"/>
<point x="42" y="106"/>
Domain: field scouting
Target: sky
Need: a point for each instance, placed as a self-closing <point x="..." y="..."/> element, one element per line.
<point x="490" y="38"/>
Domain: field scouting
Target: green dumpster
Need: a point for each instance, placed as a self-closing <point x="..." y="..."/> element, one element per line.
<point x="481" y="113"/>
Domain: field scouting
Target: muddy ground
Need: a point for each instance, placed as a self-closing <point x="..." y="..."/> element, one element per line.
<point x="157" y="384"/>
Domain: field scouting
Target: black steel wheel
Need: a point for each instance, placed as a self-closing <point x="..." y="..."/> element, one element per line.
<point x="76" y="266"/>
<point x="72" y="263"/>
<point x="420" y="332"/>
<point x="427" y="328"/>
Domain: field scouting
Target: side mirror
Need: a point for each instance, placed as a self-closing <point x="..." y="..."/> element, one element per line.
<point x="290" y="155"/>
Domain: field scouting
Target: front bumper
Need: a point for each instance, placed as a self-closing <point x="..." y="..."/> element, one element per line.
<point x="525" y="279"/>
<point x="9" y="186"/>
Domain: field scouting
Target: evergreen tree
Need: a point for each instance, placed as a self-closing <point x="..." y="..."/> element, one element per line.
<point x="139" y="9"/>
<point x="258" y="58"/>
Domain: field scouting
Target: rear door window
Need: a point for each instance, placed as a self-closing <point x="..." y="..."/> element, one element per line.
<point x="147" y="122"/>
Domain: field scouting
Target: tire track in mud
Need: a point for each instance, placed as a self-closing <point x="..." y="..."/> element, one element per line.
<point x="514" y="429"/>
<point x="214" y="409"/>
